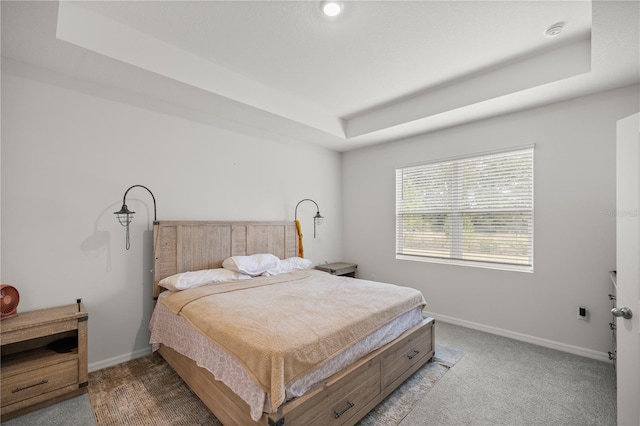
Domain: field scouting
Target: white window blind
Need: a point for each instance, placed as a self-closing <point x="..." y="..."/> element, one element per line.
<point x="476" y="210"/>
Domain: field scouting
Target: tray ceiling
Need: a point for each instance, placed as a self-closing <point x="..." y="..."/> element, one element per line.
<point x="381" y="71"/>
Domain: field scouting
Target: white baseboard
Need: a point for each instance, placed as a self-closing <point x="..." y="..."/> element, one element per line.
<point x="94" y="366"/>
<point x="576" y="350"/>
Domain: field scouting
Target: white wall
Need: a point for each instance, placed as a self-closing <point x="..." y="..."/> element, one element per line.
<point x="69" y="154"/>
<point x="574" y="167"/>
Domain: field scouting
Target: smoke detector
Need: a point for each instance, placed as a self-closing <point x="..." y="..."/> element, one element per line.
<point x="554" y="30"/>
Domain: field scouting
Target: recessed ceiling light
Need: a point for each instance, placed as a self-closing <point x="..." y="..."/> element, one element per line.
<point x="554" y="30"/>
<point x="331" y="8"/>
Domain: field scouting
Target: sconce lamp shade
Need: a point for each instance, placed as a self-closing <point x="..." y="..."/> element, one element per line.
<point x="125" y="215"/>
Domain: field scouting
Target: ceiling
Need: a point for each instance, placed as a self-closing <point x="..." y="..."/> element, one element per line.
<point x="379" y="72"/>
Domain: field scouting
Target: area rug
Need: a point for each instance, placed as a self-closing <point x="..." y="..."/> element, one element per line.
<point x="146" y="391"/>
<point x="74" y="411"/>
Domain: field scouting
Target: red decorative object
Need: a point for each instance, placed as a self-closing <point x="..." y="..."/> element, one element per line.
<point x="9" y="299"/>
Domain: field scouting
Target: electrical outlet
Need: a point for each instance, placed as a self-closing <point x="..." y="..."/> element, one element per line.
<point x="583" y="313"/>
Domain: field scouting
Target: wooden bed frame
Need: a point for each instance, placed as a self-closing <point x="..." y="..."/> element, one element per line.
<point x="343" y="398"/>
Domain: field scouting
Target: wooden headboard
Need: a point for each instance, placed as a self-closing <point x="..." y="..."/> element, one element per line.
<point x="191" y="246"/>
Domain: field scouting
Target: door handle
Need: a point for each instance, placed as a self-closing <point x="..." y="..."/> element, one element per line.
<point x="623" y="312"/>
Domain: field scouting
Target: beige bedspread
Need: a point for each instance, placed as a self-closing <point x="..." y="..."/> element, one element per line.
<point x="282" y="327"/>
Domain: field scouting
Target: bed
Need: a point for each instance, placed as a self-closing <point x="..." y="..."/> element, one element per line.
<point x="339" y="389"/>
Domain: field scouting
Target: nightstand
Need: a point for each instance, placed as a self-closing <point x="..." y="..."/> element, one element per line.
<point x="340" y="268"/>
<point x="44" y="358"/>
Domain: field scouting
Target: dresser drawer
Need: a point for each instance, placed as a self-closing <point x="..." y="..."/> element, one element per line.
<point x="408" y="354"/>
<point x="39" y="381"/>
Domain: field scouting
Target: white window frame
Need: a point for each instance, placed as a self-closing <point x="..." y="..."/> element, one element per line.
<point x="517" y="216"/>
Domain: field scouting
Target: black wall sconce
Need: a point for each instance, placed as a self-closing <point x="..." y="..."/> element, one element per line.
<point x="317" y="219"/>
<point x="125" y="215"/>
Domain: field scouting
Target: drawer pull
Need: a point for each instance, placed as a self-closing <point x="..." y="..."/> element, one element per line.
<point x="413" y="354"/>
<point x="349" y="406"/>
<point x="16" y="390"/>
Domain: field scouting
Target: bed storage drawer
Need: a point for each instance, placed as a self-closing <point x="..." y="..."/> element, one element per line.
<point x="410" y="353"/>
<point x="337" y="405"/>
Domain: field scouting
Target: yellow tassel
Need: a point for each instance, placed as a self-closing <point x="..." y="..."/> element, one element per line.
<point x="300" y="248"/>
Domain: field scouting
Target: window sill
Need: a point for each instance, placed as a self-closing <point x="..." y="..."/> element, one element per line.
<point x="473" y="264"/>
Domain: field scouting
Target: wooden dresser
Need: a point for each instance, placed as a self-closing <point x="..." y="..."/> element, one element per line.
<point x="44" y="358"/>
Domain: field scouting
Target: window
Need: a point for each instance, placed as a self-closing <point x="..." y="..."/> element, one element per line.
<point x="476" y="211"/>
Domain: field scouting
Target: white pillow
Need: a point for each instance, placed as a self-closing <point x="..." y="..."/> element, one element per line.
<point x="288" y="265"/>
<point x="253" y="265"/>
<point x="191" y="279"/>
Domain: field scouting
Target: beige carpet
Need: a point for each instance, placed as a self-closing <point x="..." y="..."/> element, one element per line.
<point x="146" y="391"/>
